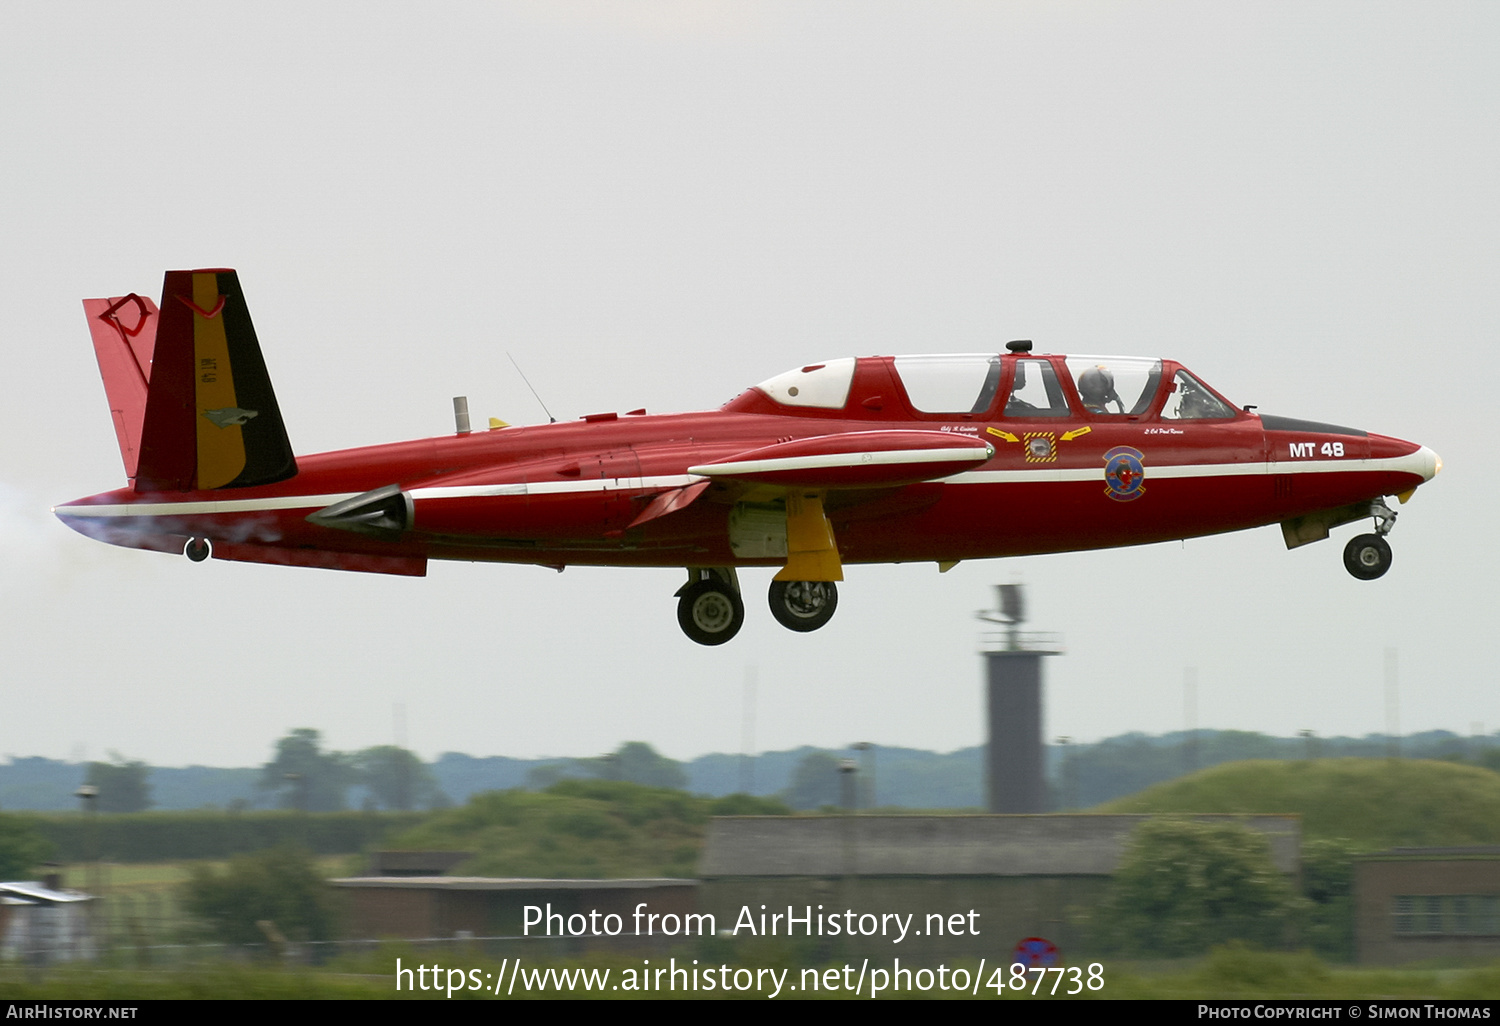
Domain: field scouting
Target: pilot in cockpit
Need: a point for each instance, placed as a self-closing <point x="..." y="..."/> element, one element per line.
<point x="1096" y="387"/>
<point x="1196" y="402"/>
<point x="1015" y="406"/>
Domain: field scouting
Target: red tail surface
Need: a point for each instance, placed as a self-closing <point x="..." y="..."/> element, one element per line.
<point x="124" y="331"/>
<point x="188" y="389"/>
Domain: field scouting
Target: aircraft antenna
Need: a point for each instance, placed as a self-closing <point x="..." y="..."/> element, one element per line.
<point x="550" y="419"/>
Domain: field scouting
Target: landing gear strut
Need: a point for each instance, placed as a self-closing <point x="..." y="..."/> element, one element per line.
<point x="803" y="605"/>
<point x="709" y="608"/>
<point x="1368" y="556"/>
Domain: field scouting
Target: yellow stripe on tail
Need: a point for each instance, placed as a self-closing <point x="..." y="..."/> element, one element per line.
<point x="221" y="442"/>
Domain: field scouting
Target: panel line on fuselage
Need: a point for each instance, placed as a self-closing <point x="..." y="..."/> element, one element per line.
<point x="602" y="484"/>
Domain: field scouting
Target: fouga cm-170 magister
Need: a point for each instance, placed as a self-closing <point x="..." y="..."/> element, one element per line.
<point x="870" y="460"/>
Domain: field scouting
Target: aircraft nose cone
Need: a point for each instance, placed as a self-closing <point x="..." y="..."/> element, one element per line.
<point x="1405" y="457"/>
<point x="1428" y="463"/>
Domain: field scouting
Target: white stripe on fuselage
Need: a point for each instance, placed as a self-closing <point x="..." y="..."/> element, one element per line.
<point x="841" y="460"/>
<point x="1419" y="463"/>
<point x="200" y="507"/>
<point x="281" y="502"/>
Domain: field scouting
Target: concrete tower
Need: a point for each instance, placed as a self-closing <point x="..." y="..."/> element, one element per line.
<point x="1015" y="774"/>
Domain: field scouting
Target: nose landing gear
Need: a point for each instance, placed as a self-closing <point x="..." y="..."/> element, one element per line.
<point x="1368" y="556"/>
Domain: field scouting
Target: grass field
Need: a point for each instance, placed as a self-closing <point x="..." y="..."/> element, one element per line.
<point x="135" y="878"/>
<point x="1226" y="973"/>
<point x="1375" y="803"/>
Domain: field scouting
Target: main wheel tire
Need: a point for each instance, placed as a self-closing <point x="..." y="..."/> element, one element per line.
<point x="710" y="612"/>
<point x="803" y="605"/>
<point x="197" y="549"/>
<point x="1367" y="556"/>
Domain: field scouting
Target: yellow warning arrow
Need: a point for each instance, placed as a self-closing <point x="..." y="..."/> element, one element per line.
<point x="1068" y="436"/>
<point x="1005" y="435"/>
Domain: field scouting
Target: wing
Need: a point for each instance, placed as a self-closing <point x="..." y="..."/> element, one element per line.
<point x="804" y="471"/>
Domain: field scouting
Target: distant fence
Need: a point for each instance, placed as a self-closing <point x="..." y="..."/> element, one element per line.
<point x="162" y="836"/>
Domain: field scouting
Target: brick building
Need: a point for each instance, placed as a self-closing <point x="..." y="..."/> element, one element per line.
<point x="1414" y="904"/>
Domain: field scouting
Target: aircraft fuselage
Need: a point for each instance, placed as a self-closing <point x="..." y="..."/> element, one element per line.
<point x="870" y="460"/>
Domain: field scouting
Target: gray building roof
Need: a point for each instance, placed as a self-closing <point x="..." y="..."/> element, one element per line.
<point x="29" y="892"/>
<point x="1045" y="845"/>
<point x="1472" y="851"/>
<point x="416" y="863"/>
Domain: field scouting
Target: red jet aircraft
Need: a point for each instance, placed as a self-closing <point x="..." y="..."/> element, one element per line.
<point x="870" y="460"/>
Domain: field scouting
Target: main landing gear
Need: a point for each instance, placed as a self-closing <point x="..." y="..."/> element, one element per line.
<point x="803" y="605"/>
<point x="1368" y="556"/>
<point x="710" y="610"/>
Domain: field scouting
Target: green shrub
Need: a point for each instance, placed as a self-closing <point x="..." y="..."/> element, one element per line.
<point x="281" y="886"/>
<point x="1183" y="886"/>
<point x="1328" y="885"/>
<point x="580" y="829"/>
<point x="747" y="805"/>
<point x="22" y="848"/>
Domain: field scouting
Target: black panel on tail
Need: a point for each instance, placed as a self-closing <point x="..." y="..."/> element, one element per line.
<point x="268" y="452"/>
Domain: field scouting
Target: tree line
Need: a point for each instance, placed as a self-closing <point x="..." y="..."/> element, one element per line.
<point x="302" y="775"/>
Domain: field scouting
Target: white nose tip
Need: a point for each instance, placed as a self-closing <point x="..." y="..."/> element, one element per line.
<point x="1428" y="463"/>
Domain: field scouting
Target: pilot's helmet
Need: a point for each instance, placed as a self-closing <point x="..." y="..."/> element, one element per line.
<point x="1095" y="386"/>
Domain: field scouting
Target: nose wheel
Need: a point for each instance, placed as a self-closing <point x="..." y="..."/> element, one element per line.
<point x="709" y="609"/>
<point x="1368" y="556"/>
<point x="803" y="605"/>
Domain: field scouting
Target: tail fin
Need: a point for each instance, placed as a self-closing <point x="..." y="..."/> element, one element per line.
<point x="124" y="331"/>
<point x="204" y="415"/>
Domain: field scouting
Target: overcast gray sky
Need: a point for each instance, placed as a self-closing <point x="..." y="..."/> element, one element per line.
<point x="659" y="204"/>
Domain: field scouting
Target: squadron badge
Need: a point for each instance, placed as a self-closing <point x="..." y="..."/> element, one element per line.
<point x="1124" y="474"/>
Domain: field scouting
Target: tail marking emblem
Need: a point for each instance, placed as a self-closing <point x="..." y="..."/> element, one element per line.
<point x="210" y="314"/>
<point x="229" y="416"/>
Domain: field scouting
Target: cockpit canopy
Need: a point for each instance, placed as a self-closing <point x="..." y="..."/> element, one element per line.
<point x="1018" y="386"/>
<point x="821" y="385"/>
